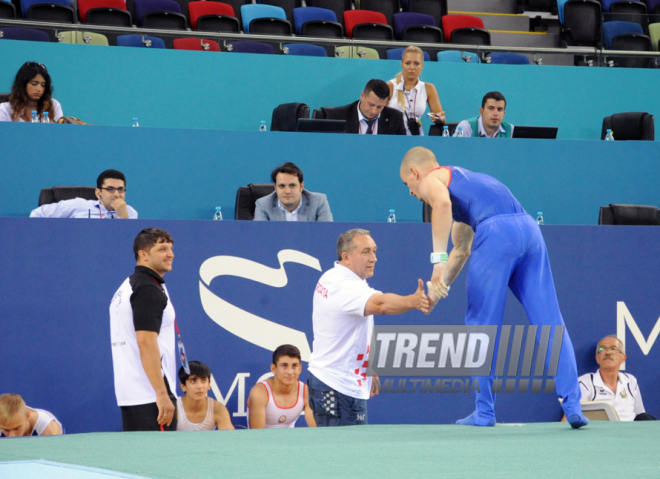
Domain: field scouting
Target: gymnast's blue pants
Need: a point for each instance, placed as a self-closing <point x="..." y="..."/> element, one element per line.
<point x="509" y="251"/>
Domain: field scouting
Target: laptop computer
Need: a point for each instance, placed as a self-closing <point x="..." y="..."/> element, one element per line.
<point x="540" y="132"/>
<point x="321" y="126"/>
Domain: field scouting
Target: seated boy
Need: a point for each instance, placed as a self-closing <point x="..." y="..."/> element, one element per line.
<point x="196" y="411"/>
<point x="277" y="402"/>
<point x="16" y="419"/>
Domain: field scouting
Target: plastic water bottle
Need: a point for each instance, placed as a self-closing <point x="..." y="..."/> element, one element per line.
<point x="218" y="213"/>
<point x="35" y="117"/>
<point x="392" y="217"/>
<point x="262" y="127"/>
<point x="135" y="122"/>
<point x="445" y="131"/>
<point x="459" y="134"/>
<point x="609" y="136"/>
<point x="539" y="217"/>
<point x="44" y="118"/>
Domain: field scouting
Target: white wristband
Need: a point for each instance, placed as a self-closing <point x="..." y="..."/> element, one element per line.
<point x="439" y="258"/>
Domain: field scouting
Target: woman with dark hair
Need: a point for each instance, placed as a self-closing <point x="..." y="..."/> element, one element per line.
<point x="32" y="91"/>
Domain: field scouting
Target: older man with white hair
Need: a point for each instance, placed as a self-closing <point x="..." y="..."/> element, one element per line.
<point x="611" y="385"/>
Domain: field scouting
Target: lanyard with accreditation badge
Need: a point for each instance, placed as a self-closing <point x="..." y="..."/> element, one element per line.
<point x="179" y="343"/>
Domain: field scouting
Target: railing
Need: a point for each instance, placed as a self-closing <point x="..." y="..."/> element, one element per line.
<point x="590" y="56"/>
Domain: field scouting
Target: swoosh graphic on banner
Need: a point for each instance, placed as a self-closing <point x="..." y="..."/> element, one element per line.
<point x="250" y="327"/>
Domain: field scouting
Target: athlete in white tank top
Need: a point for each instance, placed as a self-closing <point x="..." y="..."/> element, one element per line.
<point x="184" y="424"/>
<point x="281" y="417"/>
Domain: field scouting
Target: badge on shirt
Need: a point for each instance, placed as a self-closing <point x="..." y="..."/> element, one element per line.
<point x="623" y="394"/>
<point x="282" y="419"/>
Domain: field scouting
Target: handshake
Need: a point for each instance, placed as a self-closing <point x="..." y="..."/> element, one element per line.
<point x="426" y="301"/>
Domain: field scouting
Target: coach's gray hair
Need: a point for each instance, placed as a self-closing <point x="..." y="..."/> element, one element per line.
<point x="622" y="346"/>
<point x="345" y="242"/>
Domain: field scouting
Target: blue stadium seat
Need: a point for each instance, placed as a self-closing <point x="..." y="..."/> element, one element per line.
<point x="407" y="19"/>
<point x="612" y="29"/>
<point x="253" y="12"/>
<point x="305" y="50"/>
<point x="141" y="41"/>
<point x="303" y="15"/>
<point x="508" y="59"/>
<point x="456" y="56"/>
<point x="10" y="33"/>
<point x="251" y="47"/>
<point x="26" y="4"/>
<point x="397" y="54"/>
<point x="159" y="14"/>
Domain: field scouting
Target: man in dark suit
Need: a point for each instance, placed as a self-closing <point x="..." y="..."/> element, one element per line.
<point x="370" y="115"/>
<point x="290" y="201"/>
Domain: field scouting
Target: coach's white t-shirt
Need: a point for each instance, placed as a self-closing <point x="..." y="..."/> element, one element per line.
<point x="342" y="332"/>
<point x="626" y="401"/>
<point x="132" y="386"/>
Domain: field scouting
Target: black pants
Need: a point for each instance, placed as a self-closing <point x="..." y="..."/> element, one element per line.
<point x="144" y="417"/>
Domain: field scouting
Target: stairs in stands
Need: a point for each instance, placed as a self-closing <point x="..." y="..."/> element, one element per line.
<point x="507" y="28"/>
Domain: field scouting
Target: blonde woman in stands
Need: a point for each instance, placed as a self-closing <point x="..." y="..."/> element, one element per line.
<point x="410" y="95"/>
<point x="32" y="91"/>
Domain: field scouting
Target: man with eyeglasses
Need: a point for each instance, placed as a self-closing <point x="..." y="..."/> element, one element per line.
<point x="111" y="202"/>
<point x="610" y="385"/>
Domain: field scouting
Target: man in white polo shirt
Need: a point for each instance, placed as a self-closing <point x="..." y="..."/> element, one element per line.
<point x="142" y="335"/>
<point x="610" y="385"/>
<point x="343" y="309"/>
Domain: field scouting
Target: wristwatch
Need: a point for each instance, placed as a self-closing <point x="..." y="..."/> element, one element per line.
<point x="439" y="258"/>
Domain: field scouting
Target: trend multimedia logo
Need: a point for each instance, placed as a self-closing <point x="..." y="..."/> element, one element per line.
<point x="245" y="325"/>
<point x="460" y="351"/>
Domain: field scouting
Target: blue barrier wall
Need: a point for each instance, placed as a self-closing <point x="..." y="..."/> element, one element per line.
<point x="230" y="91"/>
<point x="184" y="174"/>
<point x="59" y="277"/>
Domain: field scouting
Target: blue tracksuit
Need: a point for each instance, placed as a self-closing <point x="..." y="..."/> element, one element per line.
<point x="508" y="251"/>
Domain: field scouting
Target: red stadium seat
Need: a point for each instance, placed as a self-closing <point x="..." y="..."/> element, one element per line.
<point x="453" y="22"/>
<point x="85" y="5"/>
<point x="356" y="17"/>
<point x="192" y="43"/>
<point x="200" y="9"/>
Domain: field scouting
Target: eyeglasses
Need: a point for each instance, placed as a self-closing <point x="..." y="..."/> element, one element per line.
<point x="612" y="350"/>
<point x="111" y="189"/>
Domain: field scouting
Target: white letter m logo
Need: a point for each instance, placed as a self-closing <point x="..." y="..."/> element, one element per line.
<point x="624" y="317"/>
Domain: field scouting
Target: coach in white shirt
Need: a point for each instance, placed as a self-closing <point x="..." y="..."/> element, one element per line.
<point x="111" y="202"/>
<point x="610" y="385"/>
<point x="142" y="325"/>
<point x="344" y="306"/>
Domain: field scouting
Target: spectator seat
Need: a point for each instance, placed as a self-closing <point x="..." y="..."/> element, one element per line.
<point x="287" y="5"/>
<point x="356" y="52"/>
<point x="59" y="11"/>
<point x="629" y="215"/>
<point x="654" y="33"/>
<point x="18" y="33"/>
<point x="165" y="14"/>
<point x="352" y="18"/>
<point x="629" y="126"/>
<point x="304" y="50"/>
<point x="251" y="13"/>
<point x="285" y="116"/>
<point x="435" y="8"/>
<point x="246" y="199"/>
<point x="337" y="6"/>
<point x="508" y="58"/>
<point x="406" y="19"/>
<point x="104" y="12"/>
<point x="386" y="7"/>
<point x="140" y="41"/>
<point x="250" y="47"/>
<point x="581" y="23"/>
<point x="60" y="193"/>
<point x="82" y="38"/>
<point x="456" y="56"/>
<point x="313" y="21"/>
<point x="7" y="10"/>
<point x="213" y="17"/>
<point x="197" y="44"/>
